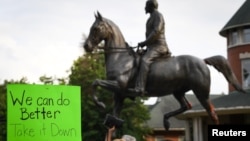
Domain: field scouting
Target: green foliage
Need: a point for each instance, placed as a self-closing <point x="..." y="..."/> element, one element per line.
<point x="84" y="71"/>
<point x="135" y="114"/>
<point x="52" y="80"/>
<point x="3" y="112"/>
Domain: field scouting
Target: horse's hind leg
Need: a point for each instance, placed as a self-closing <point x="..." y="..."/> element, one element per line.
<point x="206" y="103"/>
<point x="203" y="97"/>
<point x="185" y="105"/>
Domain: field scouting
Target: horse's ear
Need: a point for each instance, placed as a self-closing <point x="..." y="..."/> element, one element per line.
<point x="95" y="15"/>
<point x="99" y="16"/>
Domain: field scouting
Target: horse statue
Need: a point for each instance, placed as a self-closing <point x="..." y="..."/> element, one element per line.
<point x="175" y="75"/>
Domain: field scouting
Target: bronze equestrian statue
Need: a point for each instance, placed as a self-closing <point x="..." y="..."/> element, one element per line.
<point x="171" y="75"/>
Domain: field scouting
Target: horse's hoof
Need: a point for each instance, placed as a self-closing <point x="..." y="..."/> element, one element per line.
<point x="166" y="124"/>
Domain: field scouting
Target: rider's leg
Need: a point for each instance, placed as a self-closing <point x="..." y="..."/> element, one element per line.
<point x="146" y="60"/>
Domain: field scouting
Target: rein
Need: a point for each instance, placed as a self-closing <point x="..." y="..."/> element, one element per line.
<point x="111" y="50"/>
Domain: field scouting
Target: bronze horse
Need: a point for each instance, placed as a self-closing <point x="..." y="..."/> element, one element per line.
<point x="174" y="75"/>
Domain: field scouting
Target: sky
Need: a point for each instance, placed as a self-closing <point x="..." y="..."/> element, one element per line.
<point x="44" y="37"/>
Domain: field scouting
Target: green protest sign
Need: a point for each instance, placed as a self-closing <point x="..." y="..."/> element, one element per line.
<point x="43" y="113"/>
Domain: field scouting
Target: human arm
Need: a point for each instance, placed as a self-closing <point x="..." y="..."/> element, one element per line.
<point x="109" y="134"/>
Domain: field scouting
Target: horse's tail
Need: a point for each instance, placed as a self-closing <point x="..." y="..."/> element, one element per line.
<point x="221" y="64"/>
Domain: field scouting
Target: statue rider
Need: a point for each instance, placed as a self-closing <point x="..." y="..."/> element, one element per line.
<point x="155" y="42"/>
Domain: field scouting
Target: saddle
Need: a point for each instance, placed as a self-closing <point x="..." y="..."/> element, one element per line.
<point x="140" y="52"/>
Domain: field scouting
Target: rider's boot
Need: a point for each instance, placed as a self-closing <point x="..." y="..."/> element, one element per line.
<point x="141" y="83"/>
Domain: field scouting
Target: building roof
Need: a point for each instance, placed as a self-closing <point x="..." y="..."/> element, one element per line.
<point x="233" y="103"/>
<point x="167" y="104"/>
<point x="239" y="19"/>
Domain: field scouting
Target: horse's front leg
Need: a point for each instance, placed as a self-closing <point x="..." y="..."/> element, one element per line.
<point x="106" y="84"/>
<point x="118" y="103"/>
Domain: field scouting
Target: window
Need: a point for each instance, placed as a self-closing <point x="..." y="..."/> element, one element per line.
<point x="239" y="36"/>
<point x="245" y="63"/>
<point x="233" y="40"/>
<point x="246" y="35"/>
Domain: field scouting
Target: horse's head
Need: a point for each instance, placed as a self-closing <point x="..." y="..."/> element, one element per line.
<point x="99" y="31"/>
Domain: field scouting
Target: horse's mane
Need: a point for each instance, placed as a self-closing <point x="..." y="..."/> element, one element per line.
<point x="115" y="29"/>
<point x="116" y="32"/>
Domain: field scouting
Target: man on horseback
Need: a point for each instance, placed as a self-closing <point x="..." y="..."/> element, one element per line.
<point x="155" y="42"/>
<point x="165" y="78"/>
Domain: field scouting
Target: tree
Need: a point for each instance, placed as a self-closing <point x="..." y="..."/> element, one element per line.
<point x="3" y="111"/>
<point x="83" y="72"/>
<point x="52" y="80"/>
